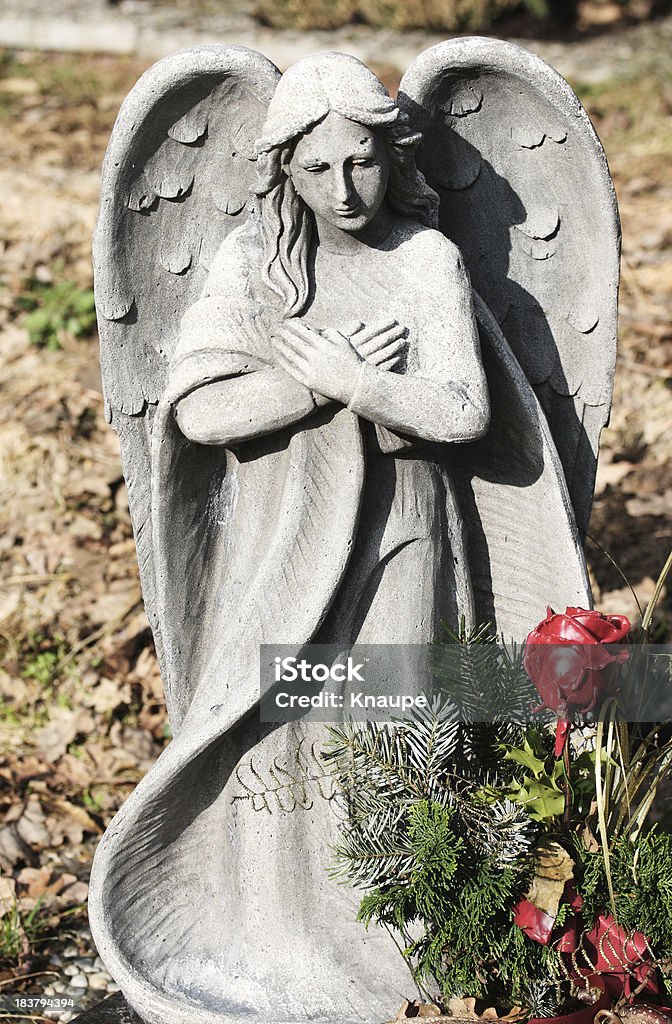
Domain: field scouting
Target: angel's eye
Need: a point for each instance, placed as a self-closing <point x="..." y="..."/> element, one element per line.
<point x="315" y="168"/>
<point x="364" y="162"/>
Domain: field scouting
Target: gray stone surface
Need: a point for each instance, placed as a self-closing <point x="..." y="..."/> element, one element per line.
<point x="327" y="434"/>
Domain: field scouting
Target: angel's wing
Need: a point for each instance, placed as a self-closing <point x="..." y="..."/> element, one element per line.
<point x="526" y="195"/>
<point x="175" y="181"/>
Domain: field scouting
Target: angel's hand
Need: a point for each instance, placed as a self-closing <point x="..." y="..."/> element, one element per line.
<point x="383" y="344"/>
<point x="325" y="363"/>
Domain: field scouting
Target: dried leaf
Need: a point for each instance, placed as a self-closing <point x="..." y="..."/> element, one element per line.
<point x="415" y="1008"/>
<point x="589" y="841"/>
<point x="7" y="895"/>
<point x="13" y="849"/>
<point x="35" y="880"/>
<point x="107" y="696"/>
<point x="65" y="724"/>
<point x="76" y="893"/>
<point x="69" y="822"/>
<point x="31" y="826"/>
<point x="133" y="742"/>
<point x="463" y="1008"/>
<point x="553" y="868"/>
<point x="73" y="772"/>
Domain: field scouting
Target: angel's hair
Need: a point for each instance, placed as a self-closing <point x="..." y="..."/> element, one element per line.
<point x="305" y="94"/>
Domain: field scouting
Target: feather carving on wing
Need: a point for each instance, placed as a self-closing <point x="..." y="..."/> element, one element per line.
<point x="526" y="195"/>
<point x="175" y="181"/>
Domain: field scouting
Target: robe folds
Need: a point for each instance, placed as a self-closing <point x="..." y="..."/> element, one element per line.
<point x="216" y="911"/>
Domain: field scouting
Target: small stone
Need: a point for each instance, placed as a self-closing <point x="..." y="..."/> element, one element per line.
<point x="99" y="981"/>
<point x="78" y="981"/>
<point x="99" y="965"/>
<point x="58" y="986"/>
<point x="70" y="970"/>
<point x="70" y="951"/>
<point x="85" y="965"/>
<point x="112" y="987"/>
<point x="49" y="990"/>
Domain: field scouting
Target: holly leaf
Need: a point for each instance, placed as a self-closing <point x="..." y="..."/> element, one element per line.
<point x="540" y="799"/>
<point x="524" y="756"/>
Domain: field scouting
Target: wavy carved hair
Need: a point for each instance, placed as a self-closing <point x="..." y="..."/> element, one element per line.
<point x="309" y="91"/>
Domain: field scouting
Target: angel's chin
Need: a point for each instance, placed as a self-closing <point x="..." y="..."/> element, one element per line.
<point x="351" y="223"/>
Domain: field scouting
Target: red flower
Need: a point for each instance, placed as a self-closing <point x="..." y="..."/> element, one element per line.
<point x="568" y="659"/>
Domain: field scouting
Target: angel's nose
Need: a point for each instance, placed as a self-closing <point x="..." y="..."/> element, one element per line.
<point x="342" y="186"/>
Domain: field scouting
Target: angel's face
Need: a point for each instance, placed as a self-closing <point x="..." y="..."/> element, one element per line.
<point x="341" y="170"/>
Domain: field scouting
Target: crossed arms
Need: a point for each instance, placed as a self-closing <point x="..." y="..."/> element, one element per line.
<point x="444" y="399"/>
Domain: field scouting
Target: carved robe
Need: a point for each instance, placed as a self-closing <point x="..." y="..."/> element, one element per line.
<point x="330" y="528"/>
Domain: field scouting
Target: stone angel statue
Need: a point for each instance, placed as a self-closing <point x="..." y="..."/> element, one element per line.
<point x="358" y="354"/>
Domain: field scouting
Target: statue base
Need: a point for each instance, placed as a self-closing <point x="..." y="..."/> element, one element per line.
<point x="113" y="1010"/>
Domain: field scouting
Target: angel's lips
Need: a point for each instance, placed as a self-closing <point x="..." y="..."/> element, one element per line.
<point x="350" y="211"/>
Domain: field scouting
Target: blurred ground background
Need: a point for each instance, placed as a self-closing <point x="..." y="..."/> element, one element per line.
<point x="81" y="707"/>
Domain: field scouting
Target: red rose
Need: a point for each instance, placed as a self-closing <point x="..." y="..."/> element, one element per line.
<point x="569" y="662"/>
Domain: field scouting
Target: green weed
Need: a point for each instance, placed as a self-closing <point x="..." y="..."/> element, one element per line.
<point x="46" y="661"/>
<point x="53" y="311"/>
<point x="91" y="801"/>
<point x="19" y="931"/>
<point x="24" y="934"/>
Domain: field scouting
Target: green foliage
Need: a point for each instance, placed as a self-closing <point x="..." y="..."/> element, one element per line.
<point x="441" y="851"/>
<point x="539" y="786"/>
<point x="539" y="8"/>
<point x="19" y="930"/>
<point x="92" y="801"/>
<point x="42" y="667"/>
<point x="442" y="812"/>
<point x="432" y="855"/>
<point x="542" y="799"/>
<point x="642" y="881"/>
<point x="440" y="823"/>
<point x="53" y="311"/>
<point x="486" y="681"/>
<point x="384" y="769"/>
<point x="45" y="660"/>
<point x="468" y="945"/>
<point x="525" y="756"/>
<point x="24" y="932"/>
